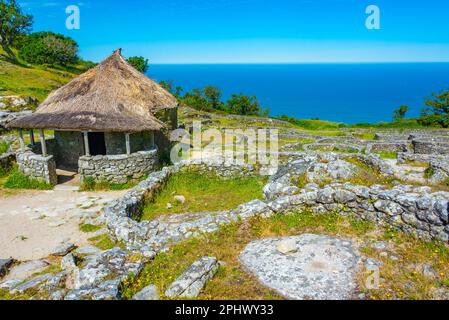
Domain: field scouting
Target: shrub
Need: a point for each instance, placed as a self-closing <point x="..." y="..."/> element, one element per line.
<point x="50" y="49"/>
<point x="139" y="63"/>
<point x="429" y="173"/>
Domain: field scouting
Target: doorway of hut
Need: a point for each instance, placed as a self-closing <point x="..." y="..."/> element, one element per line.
<point x="97" y="144"/>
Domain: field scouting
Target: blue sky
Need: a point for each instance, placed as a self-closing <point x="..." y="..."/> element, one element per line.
<point x="253" y="31"/>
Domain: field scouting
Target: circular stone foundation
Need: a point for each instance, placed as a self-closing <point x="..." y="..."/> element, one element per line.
<point x="306" y="267"/>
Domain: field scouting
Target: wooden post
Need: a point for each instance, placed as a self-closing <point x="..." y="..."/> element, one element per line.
<point x="43" y="143"/>
<point x="128" y="144"/>
<point x="152" y="139"/>
<point x="22" y="143"/>
<point x="33" y="142"/>
<point x="86" y="143"/>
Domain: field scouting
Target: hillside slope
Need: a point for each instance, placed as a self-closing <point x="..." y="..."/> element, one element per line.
<point x="33" y="81"/>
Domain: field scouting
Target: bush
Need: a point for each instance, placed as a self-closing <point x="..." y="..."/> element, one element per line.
<point x="17" y="180"/>
<point x="47" y="48"/>
<point x="139" y="63"/>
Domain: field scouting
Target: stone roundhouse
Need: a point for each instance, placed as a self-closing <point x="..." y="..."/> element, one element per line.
<point x="111" y="123"/>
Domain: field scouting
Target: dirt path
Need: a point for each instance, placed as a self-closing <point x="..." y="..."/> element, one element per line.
<point x="33" y="223"/>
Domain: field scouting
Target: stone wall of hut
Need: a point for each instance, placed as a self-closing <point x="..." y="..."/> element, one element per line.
<point x="38" y="167"/>
<point x="69" y="146"/>
<point x="118" y="168"/>
<point x="162" y="138"/>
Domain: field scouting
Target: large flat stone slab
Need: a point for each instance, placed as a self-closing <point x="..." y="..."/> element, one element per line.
<point x="322" y="267"/>
<point x="26" y="270"/>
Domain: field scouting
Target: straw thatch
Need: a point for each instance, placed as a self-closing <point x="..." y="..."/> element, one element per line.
<point x="112" y="97"/>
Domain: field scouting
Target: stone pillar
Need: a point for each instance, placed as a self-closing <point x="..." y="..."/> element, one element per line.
<point x="86" y="143"/>
<point x="128" y="144"/>
<point x="43" y="143"/>
<point x="22" y="143"/>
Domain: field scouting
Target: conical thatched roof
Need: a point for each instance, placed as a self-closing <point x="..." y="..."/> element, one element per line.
<point x="112" y="97"/>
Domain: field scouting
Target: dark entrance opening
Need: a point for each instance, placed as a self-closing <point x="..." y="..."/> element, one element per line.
<point x="97" y="144"/>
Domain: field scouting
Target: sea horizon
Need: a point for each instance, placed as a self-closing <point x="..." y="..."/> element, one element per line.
<point x="340" y="92"/>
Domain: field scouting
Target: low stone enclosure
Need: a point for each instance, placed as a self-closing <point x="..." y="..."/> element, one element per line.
<point x="415" y="210"/>
<point x="115" y="169"/>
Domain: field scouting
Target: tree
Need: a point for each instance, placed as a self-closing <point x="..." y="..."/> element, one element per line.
<point x="196" y="100"/>
<point x="438" y="111"/>
<point x="13" y="24"/>
<point x="243" y="105"/>
<point x="400" y="112"/>
<point x="140" y="63"/>
<point x="49" y="48"/>
<point x="213" y="97"/>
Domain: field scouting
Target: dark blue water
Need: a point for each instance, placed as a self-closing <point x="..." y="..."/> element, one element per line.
<point x="347" y="93"/>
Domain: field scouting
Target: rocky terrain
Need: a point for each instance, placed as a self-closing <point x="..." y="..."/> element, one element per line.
<point x="397" y="181"/>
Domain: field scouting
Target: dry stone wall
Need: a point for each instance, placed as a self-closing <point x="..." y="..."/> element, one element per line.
<point x="38" y="167"/>
<point x="118" y="168"/>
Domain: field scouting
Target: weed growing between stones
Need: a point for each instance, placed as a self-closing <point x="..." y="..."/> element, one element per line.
<point x="104" y="242"/>
<point x="203" y="193"/>
<point x="402" y="261"/>
<point x="89" y="228"/>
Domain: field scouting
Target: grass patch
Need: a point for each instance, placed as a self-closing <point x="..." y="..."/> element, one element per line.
<point x="367" y="176"/>
<point x="387" y="154"/>
<point x="233" y="283"/>
<point x="103" y="242"/>
<point x="89" y="228"/>
<point x="17" y="180"/>
<point x="203" y="192"/>
<point x="417" y="164"/>
<point x="90" y="184"/>
<point x="365" y="135"/>
<point x="4" y="146"/>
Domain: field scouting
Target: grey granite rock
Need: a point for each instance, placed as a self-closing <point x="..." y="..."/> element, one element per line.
<point x="193" y="280"/>
<point x="33" y="283"/>
<point x="25" y="270"/>
<point x="323" y="268"/>
<point x="148" y="293"/>
<point x="63" y="249"/>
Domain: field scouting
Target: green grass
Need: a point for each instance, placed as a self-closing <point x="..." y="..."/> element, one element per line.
<point x="365" y="135"/>
<point x="104" y="242"/>
<point x="4" y="147"/>
<point x="89" y="228"/>
<point x="387" y="154"/>
<point x="233" y="283"/>
<point x="17" y="180"/>
<point x="34" y="81"/>
<point x="429" y="173"/>
<point x="203" y="193"/>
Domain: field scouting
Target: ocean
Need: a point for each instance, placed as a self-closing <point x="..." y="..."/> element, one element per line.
<point x="349" y="93"/>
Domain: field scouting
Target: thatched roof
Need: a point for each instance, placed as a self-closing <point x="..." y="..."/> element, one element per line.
<point x="112" y="97"/>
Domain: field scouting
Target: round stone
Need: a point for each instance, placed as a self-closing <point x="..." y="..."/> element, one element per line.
<point x="322" y="268"/>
